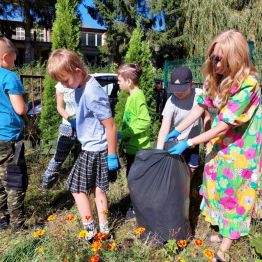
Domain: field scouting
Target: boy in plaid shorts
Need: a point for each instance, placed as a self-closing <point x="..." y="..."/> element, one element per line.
<point x="96" y="131"/>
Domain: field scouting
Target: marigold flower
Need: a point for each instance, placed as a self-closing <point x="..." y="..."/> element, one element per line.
<point x="66" y="260"/>
<point x="100" y="236"/>
<point x="182" y="260"/>
<point x="94" y="258"/>
<point x="139" y="230"/>
<point x="198" y="242"/>
<point x="39" y="233"/>
<point x="111" y="246"/>
<point x="71" y="218"/>
<point x="96" y="245"/>
<point x="41" y="250"/>
<point x="182" y="243"/>
<point x="52" y="217"/>
<point x="209" y="253"/>
<point x="105" y="212"/>
<point x="83" y="234"/>
<point x="87" y="217"/>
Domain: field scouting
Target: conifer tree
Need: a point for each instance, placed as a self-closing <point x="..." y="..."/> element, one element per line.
<point x="139" y="52"/>
<point x="65" y="34"/>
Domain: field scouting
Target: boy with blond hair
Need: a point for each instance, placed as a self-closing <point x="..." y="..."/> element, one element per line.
<point x="13" y="176"/>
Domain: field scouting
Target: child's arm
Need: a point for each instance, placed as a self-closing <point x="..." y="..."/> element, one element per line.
<point x="110" y="128"/>
<point x="60" y="105"/>
<point x="193" y="115"/>
<point x="165" y="127"/>
<point x="18" y="104"/>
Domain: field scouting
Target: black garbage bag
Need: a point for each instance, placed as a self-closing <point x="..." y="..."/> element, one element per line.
<point x="159" y="185"/>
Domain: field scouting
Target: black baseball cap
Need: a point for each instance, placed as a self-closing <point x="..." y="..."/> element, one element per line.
<point x="181" y="78"/>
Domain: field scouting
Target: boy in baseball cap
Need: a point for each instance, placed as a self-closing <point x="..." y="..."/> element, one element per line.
<point x="177" y="107"/>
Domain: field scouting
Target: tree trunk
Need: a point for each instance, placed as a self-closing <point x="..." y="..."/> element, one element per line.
<point x="29" y="54"/>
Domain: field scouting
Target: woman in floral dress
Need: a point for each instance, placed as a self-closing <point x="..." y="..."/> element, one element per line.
<point x="232" y="174"/>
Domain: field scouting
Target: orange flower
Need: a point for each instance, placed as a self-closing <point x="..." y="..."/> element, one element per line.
<point x="106" y="212"/>
<point x="100" y="236"/>
<point x="87" y="217"/>
<point x="96" y="246"/>
<point x="39" y="233"/>
<point x="182" y="243"/>
<point x="198" y="242"/>
<point x="52" y="217"/>
<point x="111" y="246"/>
<point x="209" y="253"/>
<point x="71" y="218"/>
<point x="66" y="260"/>
<point x="83" y="234"/>
<point x="139" y="230"/>
<point x="94" y="258"/>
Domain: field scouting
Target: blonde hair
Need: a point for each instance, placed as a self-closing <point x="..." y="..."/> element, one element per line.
<point x="6" y="46"/>
<point x="130" y="71"/>
<point x="65" y="61"/>
<point x="235" y="60"/>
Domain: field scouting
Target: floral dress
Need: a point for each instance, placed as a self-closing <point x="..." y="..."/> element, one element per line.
<point x="232" y="174"/>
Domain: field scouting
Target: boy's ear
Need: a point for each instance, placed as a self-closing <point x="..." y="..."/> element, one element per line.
<point x="78" y="70"/>
<point x="192" y="84"/>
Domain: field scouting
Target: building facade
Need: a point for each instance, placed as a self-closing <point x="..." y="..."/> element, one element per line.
<point x="90" y="38"/>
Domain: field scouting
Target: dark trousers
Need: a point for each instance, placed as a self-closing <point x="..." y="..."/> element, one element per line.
<point x="129" y="161"/>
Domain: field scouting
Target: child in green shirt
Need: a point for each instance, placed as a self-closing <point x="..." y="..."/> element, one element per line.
<point x="135" y="132"/>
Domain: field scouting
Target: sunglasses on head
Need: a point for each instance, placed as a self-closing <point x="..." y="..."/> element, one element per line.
<point x="215" y="59"/>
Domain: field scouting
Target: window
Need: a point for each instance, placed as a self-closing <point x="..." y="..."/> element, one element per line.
<point x="91" y="39"/>
<point x="19" y="34"/>
<point x="38" y="35"/>
<point x="83" y="38"/>
<point x="99" y="39"/>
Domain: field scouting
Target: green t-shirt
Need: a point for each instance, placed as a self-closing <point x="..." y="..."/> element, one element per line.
<point x="136" y="123"/>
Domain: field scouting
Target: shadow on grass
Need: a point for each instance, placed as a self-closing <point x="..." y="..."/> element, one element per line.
<point x="195" y="198"/>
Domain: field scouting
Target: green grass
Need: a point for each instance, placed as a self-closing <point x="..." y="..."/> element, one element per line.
<point x="61" y="242"/>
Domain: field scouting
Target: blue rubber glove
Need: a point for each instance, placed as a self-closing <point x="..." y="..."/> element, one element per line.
<point x="72" y="122"/>
<point x="118" y="136"/>
<point x="112" y="162"/>
<point x="179" y="148"/>
<point x="172" y="134"/>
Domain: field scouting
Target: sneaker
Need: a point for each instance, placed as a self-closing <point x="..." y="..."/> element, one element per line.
<point x="130" y="214"/>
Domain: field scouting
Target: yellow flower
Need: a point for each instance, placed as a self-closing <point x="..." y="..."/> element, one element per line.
<point x="71" y="218"/>
<point x="198" y="242"/>
<point x="111" y="246"/>
<point x="182" y="260"/>
<point x="39" y="233"/>
<point x="182" y="243"/>
<point x="209" y="253"/>
<point x="139" y="230"/>
<point x="41" y="250"/>
<point x="52" y="217"/>
<point x="96" y="246"/>
<point x="83" y="234"/>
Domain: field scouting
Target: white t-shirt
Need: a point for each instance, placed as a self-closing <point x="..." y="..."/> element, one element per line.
<point x="69" y="100"/>
<point x="178" y="109"/>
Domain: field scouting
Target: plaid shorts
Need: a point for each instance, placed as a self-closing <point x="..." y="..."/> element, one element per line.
<point x="89" y="170"/>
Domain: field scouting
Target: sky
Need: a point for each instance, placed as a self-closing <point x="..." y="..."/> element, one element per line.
<point x="87" y="20"/>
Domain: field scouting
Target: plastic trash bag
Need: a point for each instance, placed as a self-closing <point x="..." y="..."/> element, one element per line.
<point x="159" y="185"/>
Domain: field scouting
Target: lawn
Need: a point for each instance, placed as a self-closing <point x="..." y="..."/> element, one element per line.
<point x="59" y="238"/>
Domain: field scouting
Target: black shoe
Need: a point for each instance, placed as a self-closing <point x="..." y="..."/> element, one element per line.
<point x="130" y="214"/>
<point x="3" y="224"/>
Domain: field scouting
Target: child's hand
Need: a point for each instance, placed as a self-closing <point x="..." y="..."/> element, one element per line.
<point x="72" y="123"/>
<point x="172" y="134"/>
<point x="179" y="148"/>
<point x="112" y="162"/>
